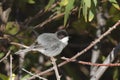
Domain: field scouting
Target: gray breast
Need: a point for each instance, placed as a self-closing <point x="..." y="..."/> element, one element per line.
<point x="52" y="45"/>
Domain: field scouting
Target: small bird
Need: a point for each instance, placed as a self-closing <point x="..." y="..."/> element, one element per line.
<point x="49" y="44"/>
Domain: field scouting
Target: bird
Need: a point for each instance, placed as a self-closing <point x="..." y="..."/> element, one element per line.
<point x="49" y="44"/>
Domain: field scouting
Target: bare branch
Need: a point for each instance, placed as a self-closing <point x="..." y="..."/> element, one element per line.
<point x="11" y="78"/>
<point x="5" y="56"/>
<point x="18" y="44"/>
<point x="33" y="74"/>
<point x="55" y="68"/>
<point x="48" y="20"/>
<point x="92" y="64"/>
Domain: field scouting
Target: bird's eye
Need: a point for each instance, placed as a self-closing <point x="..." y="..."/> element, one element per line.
<point x="61" y="36"/>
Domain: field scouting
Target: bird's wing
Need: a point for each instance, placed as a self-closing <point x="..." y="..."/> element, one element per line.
<point x="47" y="40"/>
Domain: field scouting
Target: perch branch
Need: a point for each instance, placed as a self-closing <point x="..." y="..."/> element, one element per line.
<point x="55" y="68"/>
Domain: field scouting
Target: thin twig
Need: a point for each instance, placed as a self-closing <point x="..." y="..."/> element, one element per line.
<point x="21" y="59"/>
<point x="84" y="50"/>
<point x="18" y="44"/>
<point x="33" y="74"/>
<point x="48" y="20"/>
<point x="40" y="13"/>
<point x="92" y="64"/>
<point x="5" y="56"/>
<point x="11" y="67"/>
<point x="55" y="68"/>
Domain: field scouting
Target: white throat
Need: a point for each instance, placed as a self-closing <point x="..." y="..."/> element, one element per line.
<point x="65" y="40"/>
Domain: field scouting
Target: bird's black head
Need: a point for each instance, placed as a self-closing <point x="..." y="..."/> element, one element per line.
<point x="61" y="34"/>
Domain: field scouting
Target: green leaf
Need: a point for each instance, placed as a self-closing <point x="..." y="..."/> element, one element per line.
<point x="85" y="9"/>
<point x="115" y="4"/>
<point x="49" y="4"/>
<point x="87" y="3"/>
<point x="31" y="1"/>
<point x="79" y="11"/>
<point x="95" y="2"/>
<point x="13" y="77"/>
<point x="116" y="74"/>
<point x="11" y="28"/>
<point x="90" y="16"/>
<point x="63" y="2"/>
<point x="1" y="54"/>
<point x="68" y="9"/>
<point x="3" y="77"/>
<point x="25" y="77"/>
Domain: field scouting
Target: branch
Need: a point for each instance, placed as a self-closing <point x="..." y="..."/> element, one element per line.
<point x="11" y="77"/>
<point x="48" y="20"/>
<point x="33" y="74"/>
<point x="18" y="44"/>
<point x="5" y="56"/>
<point x="92" y="64"/>
<point x="55" y="68"/>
